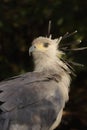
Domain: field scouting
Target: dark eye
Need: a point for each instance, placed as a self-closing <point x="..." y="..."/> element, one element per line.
<point x="46" y="44"/>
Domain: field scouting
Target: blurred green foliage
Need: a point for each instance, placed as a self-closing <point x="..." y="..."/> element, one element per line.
<point x="23" y="20"/>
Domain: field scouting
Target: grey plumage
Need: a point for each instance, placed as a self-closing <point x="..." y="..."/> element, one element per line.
<point x="35" y="100"/>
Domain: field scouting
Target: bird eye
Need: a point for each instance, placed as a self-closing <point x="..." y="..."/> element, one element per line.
<point x="46" y="44"/>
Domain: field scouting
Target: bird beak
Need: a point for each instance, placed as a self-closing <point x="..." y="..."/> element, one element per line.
<point x="31" y="49"/>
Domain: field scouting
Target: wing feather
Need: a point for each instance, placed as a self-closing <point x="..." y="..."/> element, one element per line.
<point x="33" y="98"/>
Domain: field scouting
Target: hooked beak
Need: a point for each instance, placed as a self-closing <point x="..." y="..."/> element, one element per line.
<point x="31" y="49"/>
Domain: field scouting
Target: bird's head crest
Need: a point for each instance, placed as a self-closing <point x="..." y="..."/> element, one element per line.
<point x="52" y="47"/>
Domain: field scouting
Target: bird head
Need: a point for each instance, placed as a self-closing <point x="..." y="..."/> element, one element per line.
<point x="46" y="46"/>
<point x="46" y="53"/>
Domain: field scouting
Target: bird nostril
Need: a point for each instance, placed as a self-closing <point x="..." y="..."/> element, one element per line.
<point x="31" y="49"/>
<point x="34" y="46"/>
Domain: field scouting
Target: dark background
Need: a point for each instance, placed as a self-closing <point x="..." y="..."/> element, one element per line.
<point x="23" y="20"/>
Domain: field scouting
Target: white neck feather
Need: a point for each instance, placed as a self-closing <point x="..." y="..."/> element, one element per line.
<point x="46" y="63"/>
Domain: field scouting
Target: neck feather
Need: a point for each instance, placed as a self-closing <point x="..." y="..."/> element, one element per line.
<point x="56" y="65"/>
<point x="44" y="63"/>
